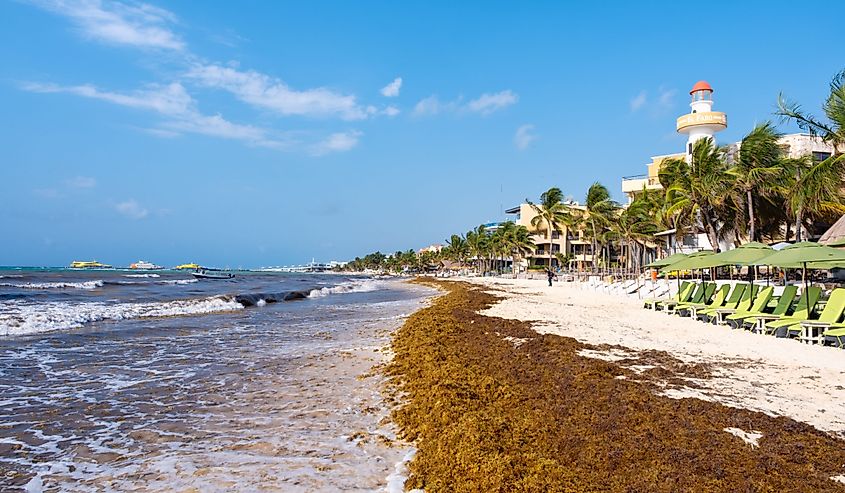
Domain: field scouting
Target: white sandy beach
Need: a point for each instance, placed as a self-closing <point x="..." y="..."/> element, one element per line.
<point x="776" y="376"/>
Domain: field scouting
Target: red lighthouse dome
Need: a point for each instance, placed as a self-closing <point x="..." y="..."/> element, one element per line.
<point x="701" y="85"/>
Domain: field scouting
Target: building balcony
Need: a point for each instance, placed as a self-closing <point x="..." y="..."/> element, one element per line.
<point x="634" y="184"/>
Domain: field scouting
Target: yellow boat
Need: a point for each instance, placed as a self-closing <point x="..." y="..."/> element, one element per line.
<point x="88" y="264"/>
<point x="187" y="267"/>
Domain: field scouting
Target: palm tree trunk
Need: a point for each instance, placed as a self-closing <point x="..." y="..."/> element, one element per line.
<point x="752" y="231"/>
<point x="798" y="222"/>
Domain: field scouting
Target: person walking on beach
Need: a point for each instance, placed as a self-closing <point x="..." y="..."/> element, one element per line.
<point x="551" y="275"/>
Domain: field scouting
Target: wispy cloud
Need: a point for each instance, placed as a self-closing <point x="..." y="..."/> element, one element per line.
<point x="488" y="103"/>
<point x="638" y="101"/>
<point x="174" y="102"/>
<point x="431" y="106"/>
<point x="171" y="99"/>
<point x="81" y="182"/>
<point x="134" y="24"/>
<point x="666" y="97"/>
<point x="267" y="92"/>
<point x="391" y="111"/>
<point x="131" y="209"/>
<point x="337" y="142"/>
<point x="524" y="136"/>
<point x="485" y="104"/>
<point x="663" y="101"/>
<point x="392" y="90"/>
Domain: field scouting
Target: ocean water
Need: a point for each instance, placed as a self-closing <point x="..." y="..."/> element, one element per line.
<point x="126" y="381"/>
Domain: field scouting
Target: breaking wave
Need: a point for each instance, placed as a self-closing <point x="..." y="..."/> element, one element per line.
<point x="20" y="318"/>
<point x="141" y="275"/>
<point x="358" y="286"/>
<point x="55" y="285"/>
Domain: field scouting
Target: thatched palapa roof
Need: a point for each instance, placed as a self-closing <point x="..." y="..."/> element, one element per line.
<point x="835" y="236"/>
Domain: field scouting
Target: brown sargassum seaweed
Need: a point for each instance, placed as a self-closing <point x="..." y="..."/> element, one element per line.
<point x="529" y="414"/>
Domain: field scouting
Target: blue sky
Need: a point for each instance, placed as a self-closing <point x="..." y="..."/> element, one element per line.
<point x="267" y="133"/>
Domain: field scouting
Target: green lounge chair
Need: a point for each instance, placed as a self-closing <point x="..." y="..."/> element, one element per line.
<point x="696" y="297"/>
<point x="747" y="319"/>
<point x="719" y="297"/>
<point x="733" y="299"/>
<point x="737" y="295"/>
<point x="706" y="296"/>
<point x="810" y="331"/>
<point x="717" y="316"/>
<point x="769" y="324"/>
<point x="684" y="292"/>
<point x="835" y="335"/>
<point x="760" y="302"/>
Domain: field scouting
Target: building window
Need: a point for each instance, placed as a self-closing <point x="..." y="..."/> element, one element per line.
<point x="555" y="235"/>
<point x="555" y="248"/>
<point x="689" y="148"/>
<point x="820" y="156"/>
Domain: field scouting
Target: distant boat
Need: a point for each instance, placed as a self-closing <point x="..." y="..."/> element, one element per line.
<point x="144" y="265"/>
<point x="188" y="267"/>
<point x="88" y="264"/>
<point x="206" y="275"/>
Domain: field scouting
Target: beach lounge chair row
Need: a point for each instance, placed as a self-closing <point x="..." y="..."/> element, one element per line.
<point x="749" y="306"/>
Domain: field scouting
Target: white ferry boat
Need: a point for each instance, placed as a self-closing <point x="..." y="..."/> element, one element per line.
<point x="144" y="265"/>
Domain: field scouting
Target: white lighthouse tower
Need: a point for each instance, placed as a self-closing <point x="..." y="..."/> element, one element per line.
<point x="702" y="121"/>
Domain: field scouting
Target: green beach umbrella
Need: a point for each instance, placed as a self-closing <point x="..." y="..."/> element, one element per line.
<point x="697" y="260"/>
<point x="747" y="254"/>
<point x="667" y="261"/>
<point x="690" y="262"/>
<point x="805" y="255"/>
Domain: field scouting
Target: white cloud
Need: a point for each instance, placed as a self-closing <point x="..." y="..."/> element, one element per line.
<point x="657" y="106"/>
<point x="131" y="209"/>
<point x="391" y="111"/>
<point x="174" y="102"/>
<point x="392" y="90"/>
<point x="171" y="99"/>
<point x="429" y="106"/>
<point x="666" y="98"/>
<point x="488" y="103"/>
<point x="524" y="136"/>
<point x="638" y="101"/>
<point x="485" y="104"/>
<point x="82" y="182"/>
<point x="134" y="24"/>
<point x="266" y="92"/>
<point x="337" y="142"/>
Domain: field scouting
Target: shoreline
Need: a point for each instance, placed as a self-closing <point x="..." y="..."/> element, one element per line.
<point x="492" y="404"/>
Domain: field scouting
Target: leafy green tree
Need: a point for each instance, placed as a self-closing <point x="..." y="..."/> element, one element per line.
<point x="551" y="214"/>
<point x="816" y="187"/>
<point x="698" y="191"/>
<point x="599" y="212"/>
<point x="758" y="172"/>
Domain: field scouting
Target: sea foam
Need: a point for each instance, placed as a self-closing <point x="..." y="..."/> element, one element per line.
<point x="17" y="318"/>
<point x="55" y="285"/>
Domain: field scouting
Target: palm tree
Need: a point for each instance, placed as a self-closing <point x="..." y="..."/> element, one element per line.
<point x="816" y="188"/>
<point x="599" y="210"/>
<point x="477" y="244"/>
<point x="758" y="171"/>
<point x="698" y="192"/>
<point x="832" y="131"/>
<point x="457" y="249"/>
<point x="551" y="213"/>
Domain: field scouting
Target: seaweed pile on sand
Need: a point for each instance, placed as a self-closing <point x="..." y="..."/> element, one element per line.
<point x="494" y="406"/>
